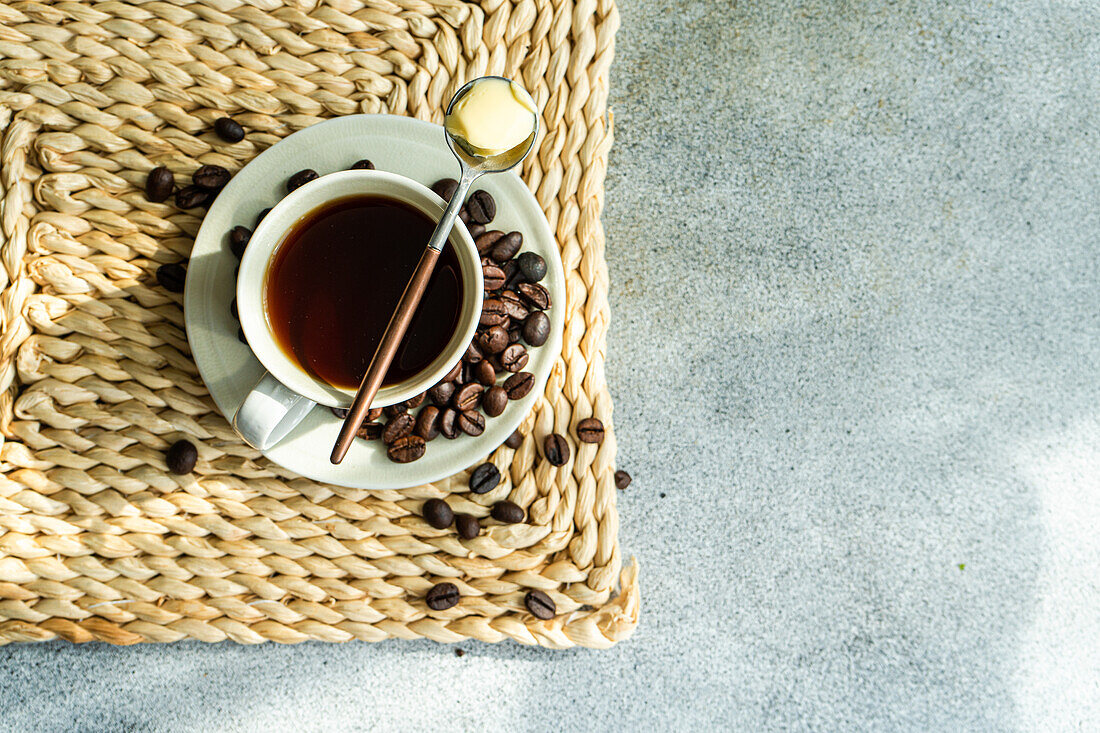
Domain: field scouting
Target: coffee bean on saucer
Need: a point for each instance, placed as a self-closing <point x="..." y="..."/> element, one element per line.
<point x="540" y="605"/>
<point x="514" y="358"/>
<point x="481" y="207"/>
<point x="181" y="457"/>
<point x="172" y="277"/>
<point x="370" y="431"/>
<point x="464" y="215"/>
<point x="442" y="393"/>
<point x="507" y="512"/>
<point x="515" y="333"/>
<point x="301" y="178"/>
<point x="238" y="240"/>
<point x="622" y="480"/>
<point x="535" y="295"/>
<point x="340" y="412"/>
<point x="493" y="277"/>
<point x="395" y="409"/>
<point x="506" y="248"/>
<point x="487" y="241"/>
<point x="467" y="525"/>
<point x="427" y="423"/>
<point x="453" y="374"/>
<point x="448" y="424"/>
<point x="590" y="430"/>
<point x="532" y="266"/>
<point x="556" y="449"/>
<point x="514" y="306"/>
<point x="442" y="596"/>
<point x="362" y="165"/>
<point x="536" y="329"/>
<point x="261" y="215"/>
<point x="512" y="274"/>
<point x="398" y="427"/>
<point x="485" y="478"/>
<point x="445" y="188"/>
<point x="493" y="341"/>
<point x="492" y="313"/>
<point x="407" y="449"/>
<point x="467" y="396"/>
<point x="437" y="513"/>
<point x="515" y="440"/>
<point x="484" y="373"/>
<point x="191" y="197"/>
<point x="473" y="354"/>
<point x="475" y="230"/>
<point x="240" y="336"/>
<point x="519" y="385"/>
<point x="229" y="129"/>
<point x="159" y="184"/>
<point x="233" y="310"/>
<point x="471" y="422"/>
<point x="373" y="414"/>
<point x="210" y="177"/>
<point x="416" y="400"/>
<point x="494" y="401"/>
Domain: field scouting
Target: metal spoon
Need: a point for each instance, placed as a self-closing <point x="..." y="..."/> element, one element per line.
<point x="472" y="167"/>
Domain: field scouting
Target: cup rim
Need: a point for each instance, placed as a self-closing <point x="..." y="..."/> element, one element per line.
<point x="272" y="231"/>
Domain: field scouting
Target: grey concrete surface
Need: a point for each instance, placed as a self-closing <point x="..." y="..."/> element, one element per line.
<point x="854" y="256"/>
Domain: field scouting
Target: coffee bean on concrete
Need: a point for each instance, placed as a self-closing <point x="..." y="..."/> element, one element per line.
<point x="622" y="479"/>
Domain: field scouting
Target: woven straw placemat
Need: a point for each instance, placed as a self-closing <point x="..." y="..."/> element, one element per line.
<point x="97" y="540"/>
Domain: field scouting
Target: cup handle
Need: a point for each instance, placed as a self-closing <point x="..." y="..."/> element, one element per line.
<point x="269" y="413"/>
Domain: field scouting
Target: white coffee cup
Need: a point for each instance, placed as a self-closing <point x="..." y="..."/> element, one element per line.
<point x="286" y="393"/>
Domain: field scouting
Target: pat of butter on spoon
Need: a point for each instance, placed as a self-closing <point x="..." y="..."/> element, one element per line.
<point x="493" y="117"/>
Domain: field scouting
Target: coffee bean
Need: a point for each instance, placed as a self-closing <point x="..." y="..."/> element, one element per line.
<point x="172" y="277"/>
<point x="519" y="385"/>
<point x="181" y="457"/>
<point x="238" y="240"/>
<point x="556" y="449"/>
<point x="540" y="605"/>
<point x="191" y="197"/>
<point x="514" y="306"/>
<point x="512" y="274"/>
<point x="362" y="165"/>
<point x="493" y="277"/>
<point x="494" y="359"/>
<point x="482" y="207"/>
<point x="464" y="215"/>
<point x="427" y="423"/>
<point x="395" y="409"/>
<point x="468" y="527"/>
<point x="301" y="178"/>
<point x="515" y="333"/>
<point x="445" y="188"/>
<point x="442" y="596"/>
<point x="484" y="479"/>
<point x="535" y="295"/>
<point x="590" y="430"/>
<point x="471" y="422"/>
<point x="442" y="393"/>
<point x="240" y="336"/>
<point x="473" y="353"/>
<point x="407" y="449"/>
<point x="398" y="427"/>
<point x="485" y="374"/>
<point x="507" y="247"/>
<point x="448" y="424"/>
<point x="210" y="177"/>
<point x="467" y="396"/>
<point x="373" y="414"/>
<point x="261" y="215"/>
<point x="494" y="401"/>
<point x="233" y="310"/>
<point x="340" y="412"/>
<point x="493" y="341"/>
<point x="453" y="374"/>
<point x="492" y="313"/>
<point x="487" y="241"/>
<point x="514" y="358"/>
<point x="159" y="184"/>
<point x="515" y="440"/>
<point x="536" y="329"/>
<point x="370" y="431"/>
<point x="532" y="266"/>
<point x="622" y="480"/>
<point x="507" y="512"/>
<point x="475" y="230"/>
<point x="437" y="513"/>
<point x="229" y="130"/>
<point x="416" y="400"/>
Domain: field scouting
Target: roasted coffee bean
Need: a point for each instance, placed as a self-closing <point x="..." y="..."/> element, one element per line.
<point x="445" y="188"/>
<point x="622" y="479"/>
<point x="485" y="375"/>
<point x="494" y="401"/>
<point x="238" y="240"/>
<point x="442" y="596"/>
<point x="441" y="393"/>
<point x="373" y="414"/>
<point x="340" y="412"/>
<point x="229" y="129"/>
<point x="507" y="247"/>
<point x="492" y="313"/>
<point x="514" y="358"/>
<point x="487" y="241"/>
<point x="362" y="165"/>
<point x="494" y="359"/>
<point x="427" y="423"/>
<point x="493" y="277"/>
<point x="507" y="512"/>
<point x="453" y="374"/>
<point x="159" y="184"/>
<point x="468" y="528"/>
<point x="464" y="215"/>
<point x="437" y="513"/>
<point x="407" y="449"/>
<point x="233" y="310"/>
<point x="519" y="385"/>
<point x="394" y="409"/>
<point x="210" y="177"/>
<point x="515" y="333"/>
<point x="535" y="295"/>
<point x="512" y="274"/>
<point x="448" y="424"/>
<point x="556" y="449"/>
<point x="475" y="230"/>
<point x="532" y="266"/>
<point x="181" y="457"/>
<point x="416" y="400"/>
<point x="261" y="215"/>
<point x="481" y="207"/>
<point x="398" y="427"/>
<point x="172" y="277"/>
<point x="514" y="306"/>
<point x="468" y="373"/>
<point x="493" y="341"/>
<point x="540" y="605"/>
<point x="471" y="422"/>
<point x="484" y="478"/>
<point x="467" y="396"/>
<point x="370" y="431"/>
<point x="191" y="197"/>
<point x="301" y="178"/>
<point x="536" y="329"/>
<point x="515" y="440"/>
<point x="473" y="353"/>
<point x="240" y="336"/>
<point x="590" y="430"/>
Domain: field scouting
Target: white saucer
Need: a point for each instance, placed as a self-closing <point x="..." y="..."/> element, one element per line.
<point x="402" y="145"/>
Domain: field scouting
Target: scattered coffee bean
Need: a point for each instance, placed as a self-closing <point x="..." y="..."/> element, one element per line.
<point x="507" y="512"/>
<point x="448" y="424"/>
<point x="181" y="457"/>
<point x="519" y="385"/>
<point x="399" y="426"/>
<point x="481" y="206"/>
<point x="473" y="354"/>
<point x="556" y="449"/>
<point x="238" y="240"/>
<point x="475" y="230"/>
<point x="427" y="423"/>
<point x="492" y="313"/>
<point x="395" y="409"/>
<point x="445" y="188"/>
<point x="540" y="605"/>
<point x="471" y="422"/>
<point x="487" y="241"/>
<point x="506" y="248"/>
<point x="362" y="165"/>
<point x="532" y="266"/>
<point x="514" y="358"/>
<point x="535" y="295"/>
<point x="464" y="216"/>
<point x="210" y="177"/>
<point x="172" y="277"/>
<point x="340" y="412"/>
<point x="261" y="215"/>
<point x="407" y="449"/>
<point x="485" y="478"/>
<point x="191" y="197"/>
<point x="233" y="310"/>
<point x="493" y="277"/>
<point x="437" y="513"/>
<point x="370" y="431"/>
<point x="515" y="333"/>
<point x="442" y="393"/>
<point x="453" y="374"/>
<point x="485" y="374"/>
<point x="240" y="336"/>
<point x="467" y="396"/>
<point x="301" y="178"/>
<point x="590" y="430"/>
<point x="468" y="528"/>
<point x="442" y="596"/>
<point x="493" y="341"/>
<point x="514" y="306"/>
<point x="229" y="130"/>
<point x="494" y="401"/>
<point x="159" y="184"/>
<point x="416" y="400"/>
<point x="622" y="480"/>
<point x="536" y="329"/>
<point x="515" y="440"/>
<point x="512" y="274"/>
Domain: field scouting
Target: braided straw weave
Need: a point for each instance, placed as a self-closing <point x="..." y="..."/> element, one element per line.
<point x="97" y="540"/>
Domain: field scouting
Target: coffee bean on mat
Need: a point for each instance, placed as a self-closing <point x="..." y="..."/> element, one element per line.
<point x="437" y="513"/>
<point x="172" y="277"/>
<point x="210" y="177"/>
<point x="159" y="184"/>
<point x="515" y="440"/>
<point x="181" y="457"/>
<point x="540" y="605"/>
<point x="590" y="430"/>
<point x="301" y="178"/>
<point x="442" y="596"/>
<point x="228" y="129"/>
<point x="362" y="165"/>
<point x="485" y="478"/>
<point x="519" y="385"/>
<point x="556" y="449"/>
<point x="407" y="449"/>
<point x="190" y="197"/>
<point x="467" y="525"/>
<point x="507" y="512"/>
<point x="238" y="240"/>
<point x="622" y="479"/>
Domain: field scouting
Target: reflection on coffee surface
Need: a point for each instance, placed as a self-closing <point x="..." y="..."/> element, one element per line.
<point x="335" y="280"/>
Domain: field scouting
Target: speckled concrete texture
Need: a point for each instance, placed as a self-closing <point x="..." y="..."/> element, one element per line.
<point x="855" y="259"/>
